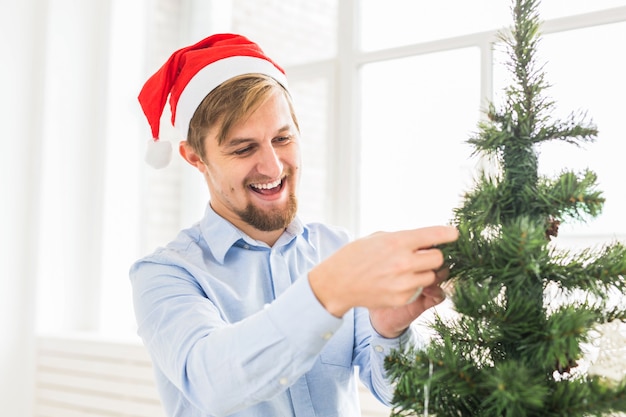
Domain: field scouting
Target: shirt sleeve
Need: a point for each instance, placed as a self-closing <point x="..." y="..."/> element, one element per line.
<point x="220" y="367"/>
<point x="371" y="349"/>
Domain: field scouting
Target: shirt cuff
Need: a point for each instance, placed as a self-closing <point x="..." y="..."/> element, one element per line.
<point x="383" y="346"/>
<point x="300" y="317"/>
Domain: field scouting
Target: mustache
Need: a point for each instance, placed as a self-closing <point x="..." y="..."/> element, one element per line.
<point x="288" y="172"/>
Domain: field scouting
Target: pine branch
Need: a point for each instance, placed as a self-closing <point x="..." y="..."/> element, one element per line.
<point x="570" y="131"/>
<point x="570" y="195"/>
<point x="557" y="347"/>
<point x="439" y="377"/>
<point x="513" y="389"/>
<point x="588" y="270"/>
<point x="482" y="204"/>
<point x="586" y="397"/>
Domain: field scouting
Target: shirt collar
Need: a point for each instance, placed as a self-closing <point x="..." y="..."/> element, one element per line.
<point x="221" y="235"/>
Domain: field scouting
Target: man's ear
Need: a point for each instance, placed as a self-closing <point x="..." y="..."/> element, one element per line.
<point x="190" y="155"/>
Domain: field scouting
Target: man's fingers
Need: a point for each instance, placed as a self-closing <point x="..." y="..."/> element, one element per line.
<point x="443" y="273"/>
<point x="428" y="237"/>
<point x="428" y="259"/>
<point x="434" y="293"/>
<point x="416" y="294"/>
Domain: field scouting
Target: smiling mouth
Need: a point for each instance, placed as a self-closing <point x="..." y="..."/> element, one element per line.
<point x="267" y="188"/>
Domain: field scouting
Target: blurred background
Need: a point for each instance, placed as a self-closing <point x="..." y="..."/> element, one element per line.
<point x="387" y="94"/>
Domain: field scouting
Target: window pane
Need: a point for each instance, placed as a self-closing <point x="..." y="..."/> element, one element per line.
<point x="587" y="75"/>
<point x="395" y="23"/>
<point x="416" y="114"/>
<point x="291" y="32"/>
<point x="551" y="9"/>
<point x="311" y="101"/>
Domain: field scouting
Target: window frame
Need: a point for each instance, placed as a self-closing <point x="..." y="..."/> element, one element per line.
<point x="350" y="58"/>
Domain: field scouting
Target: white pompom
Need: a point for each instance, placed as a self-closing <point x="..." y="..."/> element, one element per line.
<point x="158" y="153"/>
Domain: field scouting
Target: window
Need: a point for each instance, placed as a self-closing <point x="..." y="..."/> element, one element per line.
<point x="386" y="92"/>
<point x="433" y="117"/>
<point x="415" y="116"/>
<point x="396" y="23"/>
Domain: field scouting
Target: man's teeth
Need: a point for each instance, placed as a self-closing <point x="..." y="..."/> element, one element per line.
<point x="268" y="185"/>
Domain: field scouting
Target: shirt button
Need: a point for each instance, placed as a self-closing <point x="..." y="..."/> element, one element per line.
<point x="378" y="348"/>
<point x="327" y="335"/>
<point x="246" y="246"/>
<point x="283" y="381"/>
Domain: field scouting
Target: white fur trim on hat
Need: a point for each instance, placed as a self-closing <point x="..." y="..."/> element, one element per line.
<point x="211" y="76"/>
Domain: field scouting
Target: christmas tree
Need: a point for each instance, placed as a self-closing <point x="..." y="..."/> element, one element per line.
<point x="526" y="312"/>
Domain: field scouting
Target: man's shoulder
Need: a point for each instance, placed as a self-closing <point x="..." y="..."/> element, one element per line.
<point x="187" y="240"/>
<point x="323" y="234"/>
<point x="325" y="228"/>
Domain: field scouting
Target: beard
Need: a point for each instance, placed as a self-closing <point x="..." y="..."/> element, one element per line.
<point x="270" y="220"/>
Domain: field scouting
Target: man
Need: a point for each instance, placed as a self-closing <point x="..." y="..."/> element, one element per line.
<point x="250" y="312"/>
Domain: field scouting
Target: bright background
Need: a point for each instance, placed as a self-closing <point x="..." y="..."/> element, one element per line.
<point x="387" y="93"/>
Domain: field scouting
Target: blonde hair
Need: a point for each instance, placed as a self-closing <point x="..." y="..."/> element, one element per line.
<point x="230" y="103"/>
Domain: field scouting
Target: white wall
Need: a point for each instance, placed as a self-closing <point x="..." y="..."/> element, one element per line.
<point x="75" y="97"/>
<point x="21" y="38"/>
<point x="54" y="74"/>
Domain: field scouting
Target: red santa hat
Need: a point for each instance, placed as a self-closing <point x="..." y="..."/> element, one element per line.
<point x="189" y="75"/>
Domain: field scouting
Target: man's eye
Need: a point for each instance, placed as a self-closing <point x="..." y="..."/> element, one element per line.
<point x="282" y="139"/>
<point x="243" y="151"/>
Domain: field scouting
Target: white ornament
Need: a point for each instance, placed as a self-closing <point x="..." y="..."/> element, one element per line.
<point x="610" y="363"/>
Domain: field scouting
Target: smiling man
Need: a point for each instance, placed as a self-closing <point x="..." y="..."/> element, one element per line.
<point x="250" y="312"/>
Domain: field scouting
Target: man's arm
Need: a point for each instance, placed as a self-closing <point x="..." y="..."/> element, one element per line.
<point x="220" y="367"/>
<point x="371" y="349"/>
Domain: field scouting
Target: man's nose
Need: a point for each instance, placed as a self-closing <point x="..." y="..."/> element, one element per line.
<point x="269" y="163"/>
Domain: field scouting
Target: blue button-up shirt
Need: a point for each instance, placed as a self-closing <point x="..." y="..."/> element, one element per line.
<point x="233" y="327"/>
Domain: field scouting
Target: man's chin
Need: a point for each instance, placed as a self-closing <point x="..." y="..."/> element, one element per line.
<point x="270" y="220"/>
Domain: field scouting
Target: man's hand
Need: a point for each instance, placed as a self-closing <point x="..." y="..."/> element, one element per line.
<point x="382" y="272"/>
<point x="391" y="322"/>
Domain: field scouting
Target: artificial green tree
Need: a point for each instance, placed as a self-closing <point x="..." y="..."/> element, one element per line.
<point x="524" y="310"/>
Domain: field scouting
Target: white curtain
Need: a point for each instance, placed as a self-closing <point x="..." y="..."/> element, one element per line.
<point x="22" y="28"/>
